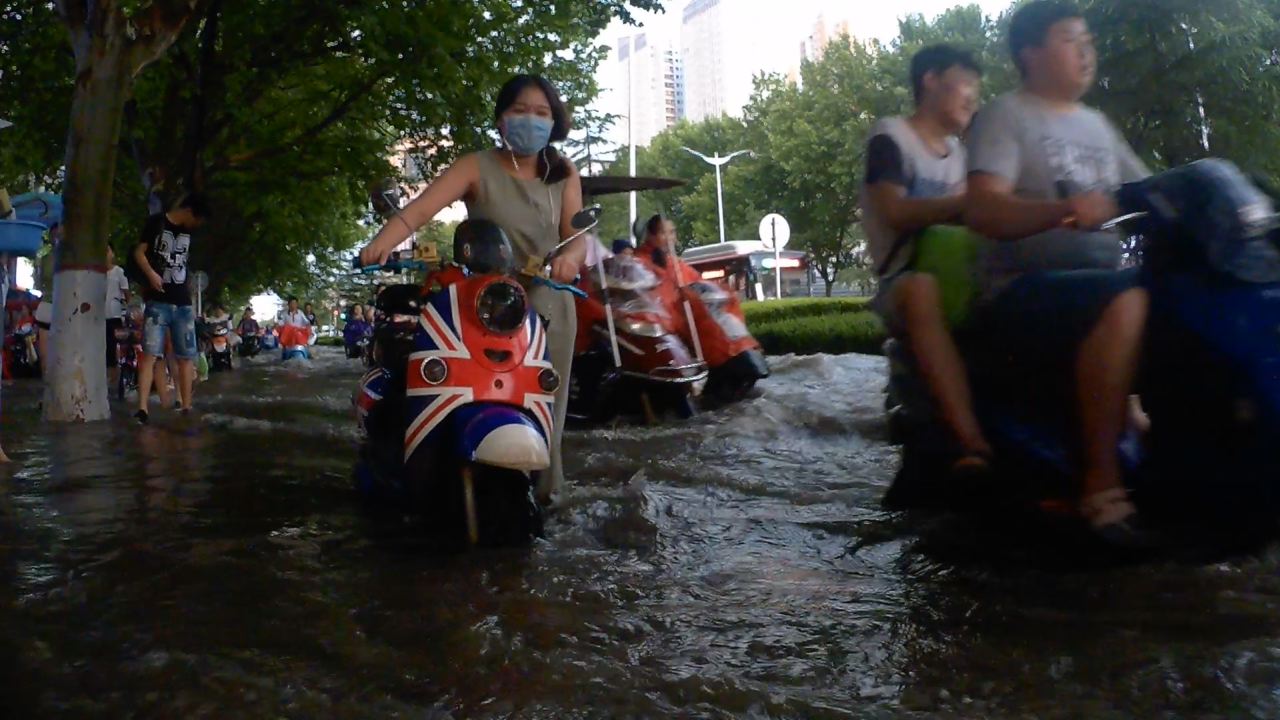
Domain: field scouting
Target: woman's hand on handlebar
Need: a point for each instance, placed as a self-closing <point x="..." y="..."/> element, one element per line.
<point x="373" y="255"/>
<point x="564" y="269"/>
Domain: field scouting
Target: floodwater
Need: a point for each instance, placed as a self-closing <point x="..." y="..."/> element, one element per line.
<point x="734" y="565"/>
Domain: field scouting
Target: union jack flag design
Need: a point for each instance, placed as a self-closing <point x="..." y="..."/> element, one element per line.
<point x="372" y="386"/>
<point x="481" y="366"/>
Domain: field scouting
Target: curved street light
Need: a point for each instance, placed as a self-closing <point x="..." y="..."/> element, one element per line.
<point x="718" y="160"/>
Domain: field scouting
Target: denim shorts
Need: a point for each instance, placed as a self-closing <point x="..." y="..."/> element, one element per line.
<point x="180" y="323"/>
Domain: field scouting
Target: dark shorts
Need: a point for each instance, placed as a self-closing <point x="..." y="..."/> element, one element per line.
<point x="113" y="357"/>
<point x="1030" y="334"/>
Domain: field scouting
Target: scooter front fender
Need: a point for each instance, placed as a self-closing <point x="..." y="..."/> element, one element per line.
<point x="501" y="436"/>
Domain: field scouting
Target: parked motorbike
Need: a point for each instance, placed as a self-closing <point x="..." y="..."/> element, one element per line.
<point x="24" y="360"/>
<point x="219" y="345"/>
<point x="128" y="350"/>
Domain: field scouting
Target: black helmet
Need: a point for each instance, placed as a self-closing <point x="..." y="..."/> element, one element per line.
<point x="482" y="247"/>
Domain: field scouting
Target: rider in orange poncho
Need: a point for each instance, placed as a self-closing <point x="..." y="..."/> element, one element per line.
<point x="721" y="333"/>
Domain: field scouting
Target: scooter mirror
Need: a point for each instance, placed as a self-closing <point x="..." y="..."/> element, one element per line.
<point x="385" y="197"/>
<point x="586" y="218"/>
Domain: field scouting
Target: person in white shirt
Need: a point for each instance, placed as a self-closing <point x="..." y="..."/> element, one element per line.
<point x="117" y="303"/>
<point x="293" y="316"/>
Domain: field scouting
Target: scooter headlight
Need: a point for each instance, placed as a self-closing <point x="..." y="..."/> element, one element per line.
<point x="502" y="307"/>
<point x="549" y="380"/>
<point x="434" y="371"/>
<point x="641" y="328"/>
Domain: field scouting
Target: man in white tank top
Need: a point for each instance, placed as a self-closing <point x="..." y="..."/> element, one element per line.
<point x="915" y="178"/>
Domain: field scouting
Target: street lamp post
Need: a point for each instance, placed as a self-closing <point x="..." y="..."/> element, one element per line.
<point x="718" y="161"/>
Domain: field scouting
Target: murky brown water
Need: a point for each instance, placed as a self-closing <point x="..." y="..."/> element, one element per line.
<point x="737" y="565"/>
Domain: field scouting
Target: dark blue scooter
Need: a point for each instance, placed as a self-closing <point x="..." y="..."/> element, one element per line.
<point x="1209" y="468"/>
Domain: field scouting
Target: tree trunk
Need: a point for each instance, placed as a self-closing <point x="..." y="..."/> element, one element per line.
<point x="827" y="275"/>
<point x="76" y="381"/>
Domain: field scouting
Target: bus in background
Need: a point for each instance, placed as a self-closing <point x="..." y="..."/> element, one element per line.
<point x="747" y="268"/>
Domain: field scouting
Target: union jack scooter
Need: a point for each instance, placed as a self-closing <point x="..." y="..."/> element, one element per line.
<point x="458" y="411"/>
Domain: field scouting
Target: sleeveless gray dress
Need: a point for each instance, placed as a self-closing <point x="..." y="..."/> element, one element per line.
<point x="528" y="211"/>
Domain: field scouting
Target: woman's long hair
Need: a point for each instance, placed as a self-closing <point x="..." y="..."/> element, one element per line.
<point x="552" y="167"/>
<point x="651" y="229"/>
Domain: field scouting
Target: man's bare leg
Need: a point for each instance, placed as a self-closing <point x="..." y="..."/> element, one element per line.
<point x="146" y="368"/>
<point x="162" y="383"/>
<point x="917" y="300"/>
<point x="186" y="379"/>
<point x="1105" y="369"/>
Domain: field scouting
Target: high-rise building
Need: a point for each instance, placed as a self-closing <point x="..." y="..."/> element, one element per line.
<point x="656" y="81"/>
<point x="822" y="36"/>
<point x="719" y="44"/>
<point x="702" y="47"/>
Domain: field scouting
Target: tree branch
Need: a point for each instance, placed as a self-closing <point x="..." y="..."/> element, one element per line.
<point x="159" y="27"/>
<point x="339" y="112"/>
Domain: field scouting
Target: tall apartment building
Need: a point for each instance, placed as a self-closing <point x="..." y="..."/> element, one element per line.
<point x="656" y="82"/>
<point x="822" y="36"/>
<point x="719" y="43"/>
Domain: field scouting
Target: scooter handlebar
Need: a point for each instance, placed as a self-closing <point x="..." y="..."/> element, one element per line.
<point x="391" y="266"/>
<point x="560" y="286"/>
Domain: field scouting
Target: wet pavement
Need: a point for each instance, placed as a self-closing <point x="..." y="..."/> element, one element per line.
<point x="734" y="565"/>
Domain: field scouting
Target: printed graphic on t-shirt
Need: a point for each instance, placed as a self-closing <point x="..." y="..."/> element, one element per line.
<point x="174" y="250"/>
<point x="1085" y="167"/>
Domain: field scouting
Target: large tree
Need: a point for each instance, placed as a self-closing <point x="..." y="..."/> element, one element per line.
<point x="1186" y="79"/>
<point x="111" y="41"/>
<point x="282" y="112"/>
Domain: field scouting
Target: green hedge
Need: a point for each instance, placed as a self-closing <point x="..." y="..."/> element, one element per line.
<point x="815" y="325"/>
<point x="329" y="341"/>
<point x="792" y="308"/>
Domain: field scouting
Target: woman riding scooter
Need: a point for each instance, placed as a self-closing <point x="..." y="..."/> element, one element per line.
<point x="355" y="334"/>
<point x="705" y="315"/>
<point x="250" y="334"/>
<point x="529" y="190"/>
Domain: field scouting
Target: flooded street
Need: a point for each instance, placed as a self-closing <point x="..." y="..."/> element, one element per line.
<point x="735" y="565"/>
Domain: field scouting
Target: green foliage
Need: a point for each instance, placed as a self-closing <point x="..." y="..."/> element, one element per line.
<point x="815" y="325"/>
<point x="589" y="148"/>
<point x="285" y="112"/>
<point x="1163" y="62"/>
<point x="807" y="327"/>
<point x="693" y="206"/>
<point x="772" y="311"/>
<point x="38" y="70"/>
<point x="1174" y="75"/>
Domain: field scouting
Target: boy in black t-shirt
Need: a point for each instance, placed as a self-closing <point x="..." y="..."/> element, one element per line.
<point x="161" y="257"/>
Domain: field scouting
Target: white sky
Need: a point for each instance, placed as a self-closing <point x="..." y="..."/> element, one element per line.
<point x="791" y="22"/>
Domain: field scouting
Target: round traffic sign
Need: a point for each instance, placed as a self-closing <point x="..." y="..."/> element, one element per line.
<point x="774" y="228"/>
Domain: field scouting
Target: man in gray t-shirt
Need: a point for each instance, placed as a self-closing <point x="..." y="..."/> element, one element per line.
<point x="1050" y="153"/>
<point x="1056" y="311"/>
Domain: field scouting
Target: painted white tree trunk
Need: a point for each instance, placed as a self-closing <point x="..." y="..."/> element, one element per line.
<point x="75" y="369"/>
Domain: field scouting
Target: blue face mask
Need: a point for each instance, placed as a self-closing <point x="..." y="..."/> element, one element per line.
<point x="527" y="134"/>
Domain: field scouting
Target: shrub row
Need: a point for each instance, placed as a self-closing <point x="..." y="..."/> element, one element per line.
<point x="810" y="326"/>
<point x="775" y="310"/>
